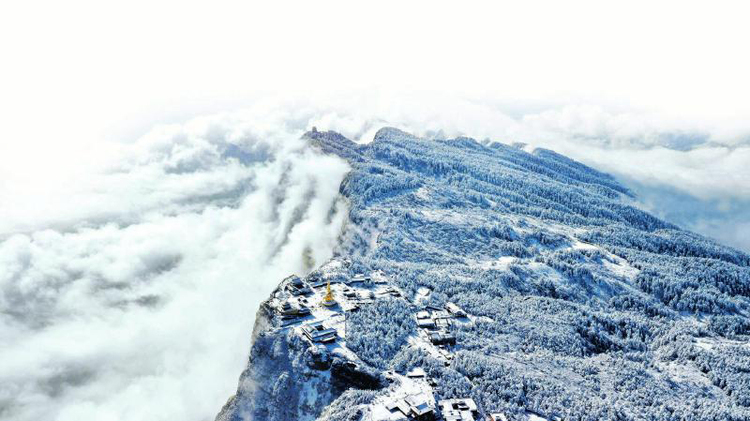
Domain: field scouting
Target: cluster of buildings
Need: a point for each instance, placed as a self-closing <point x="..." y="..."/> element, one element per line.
<point x="459" y="409"/>
<point x="415" y="401"/>
<point x="419" y="404"/>
<point x="418" y="407"/>
<point x="422" y="407"/>
<point x="322" y="310"/>
<point x="316" y="300"/>
<point x="297" y="306"/>
<point x="436" y="322"/>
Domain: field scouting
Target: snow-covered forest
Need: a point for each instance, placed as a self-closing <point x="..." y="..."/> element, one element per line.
<point x="596" y="309"/>
<point x="580" y="304"/>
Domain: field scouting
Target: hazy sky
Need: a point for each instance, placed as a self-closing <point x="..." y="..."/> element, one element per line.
<point x="153" y="189"/>
<point x="78" y="73"/>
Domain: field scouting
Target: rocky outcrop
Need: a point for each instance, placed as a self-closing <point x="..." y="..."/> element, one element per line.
<point x="287" y="378"/>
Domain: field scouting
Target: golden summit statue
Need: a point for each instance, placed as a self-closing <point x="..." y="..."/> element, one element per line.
<point x="328" y="299"/>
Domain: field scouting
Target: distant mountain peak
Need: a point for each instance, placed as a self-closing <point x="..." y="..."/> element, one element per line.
<point x="392" y="133"/>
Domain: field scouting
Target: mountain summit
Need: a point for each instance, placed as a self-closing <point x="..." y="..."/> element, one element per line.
<point x="479" y="281"/>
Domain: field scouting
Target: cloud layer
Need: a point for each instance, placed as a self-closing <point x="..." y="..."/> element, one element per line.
<point x="134" y="299"/>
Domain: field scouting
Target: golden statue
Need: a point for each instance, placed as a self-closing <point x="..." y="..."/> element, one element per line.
<point x="328" y="299"/>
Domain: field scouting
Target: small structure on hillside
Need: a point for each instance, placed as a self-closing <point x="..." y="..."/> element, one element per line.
<point x="455" y="310"/>
<point x="446" y="354"/>
<point x="416" y="373"/>
<point x="291" y="311"/>
<point x="442" y="323"/>
<point x="442" y="338"/>
<point x="366" y="296"/>
<point x="317" y="280"/>
<point x="317" y="332"/>
<point x="459" y="409"/>
<point x="424" y="320"/>
<point x="436" y="324"/>
<point x="498" y="416"/>
<point x="359" y="278"/>
<point x="434" y="318"/>
<point x="421" y="407"/>
<point x="400" y="406"/>
<point x="350" y="293"/>
<point x="390" y="290"/>
<point x="296" y="286"/>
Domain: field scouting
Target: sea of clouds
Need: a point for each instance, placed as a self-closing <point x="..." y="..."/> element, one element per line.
<point x="129" y="285"/>
<point x="131" y="293"/>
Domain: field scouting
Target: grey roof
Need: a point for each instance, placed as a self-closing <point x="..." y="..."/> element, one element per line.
<point x="416" y="372"/>
<point x="458" y="409"/>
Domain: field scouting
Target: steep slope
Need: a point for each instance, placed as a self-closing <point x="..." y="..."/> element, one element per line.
<point x="578" y="305"/>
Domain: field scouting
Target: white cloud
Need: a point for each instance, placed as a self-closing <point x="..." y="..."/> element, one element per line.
<point x="147" y="313"/>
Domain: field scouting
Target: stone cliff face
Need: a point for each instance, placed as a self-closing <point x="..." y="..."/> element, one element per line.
<point x="282" y="380"/>
<point x="288" y="377"/>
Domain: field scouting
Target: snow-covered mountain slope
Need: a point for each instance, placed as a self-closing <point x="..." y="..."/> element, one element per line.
<point x="578" y="306"/>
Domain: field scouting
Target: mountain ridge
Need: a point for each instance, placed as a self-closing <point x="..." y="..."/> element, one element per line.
<point x="579" y="305"/>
